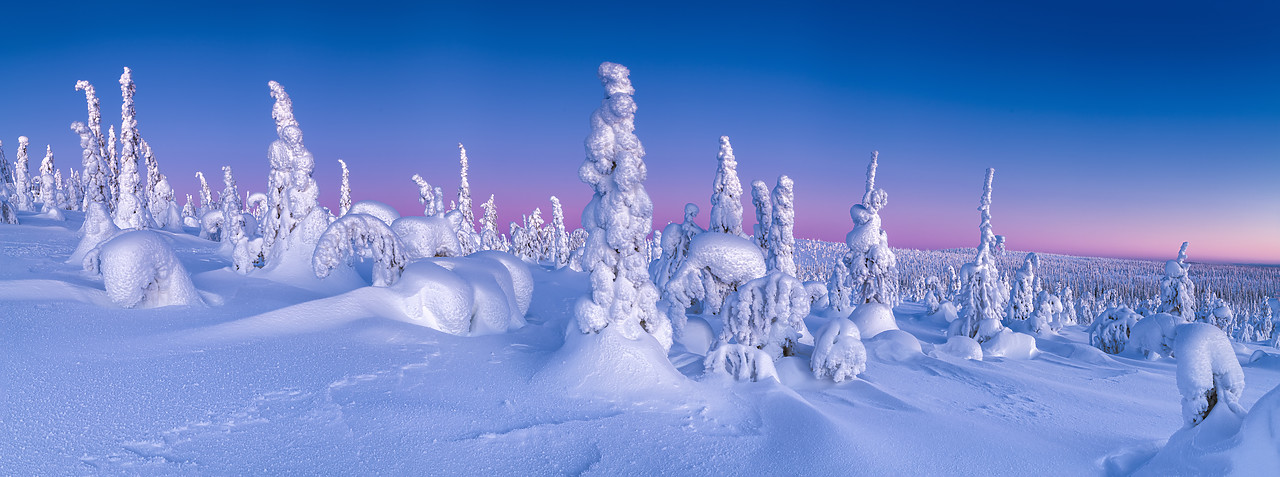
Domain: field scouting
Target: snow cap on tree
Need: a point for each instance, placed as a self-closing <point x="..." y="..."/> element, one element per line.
<point x="344" y="194"/>
<point x="726" y="194"/>
<point x="618" y="218"/>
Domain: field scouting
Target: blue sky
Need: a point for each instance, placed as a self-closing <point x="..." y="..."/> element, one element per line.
<point x="1117" y="130"/>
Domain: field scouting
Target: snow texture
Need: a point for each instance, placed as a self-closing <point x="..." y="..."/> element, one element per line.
<point x="962" y="347"/>
<point x="838" y="352"/>
<point x="426" y="237"/>
<point x="1208" y="372"/>
<point x="386" y="213"/>
<point x="140" y="270"/>
<point x="1009" y="344"/>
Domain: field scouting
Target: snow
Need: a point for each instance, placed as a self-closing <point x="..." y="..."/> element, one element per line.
<point x="1208" y="372"/>
<point x="873" y="319"/>
<point x="838" y="352"/>
<point x="139" y="269"/>
<point x="386" y="213"/>
<point x="427" y="237"/>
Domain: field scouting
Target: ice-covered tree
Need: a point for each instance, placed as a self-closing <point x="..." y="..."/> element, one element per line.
<point x="344" y="194"/>
<point x="982" y="297"/>
<point x="48" y="187"/>
<point x="873" y="267"/>
<point x="1208" y="372"/>
<point x="294" y="220"/>
<point x="782" y="240"/>
<point x="351" y="236"/>
<point x="6" y="175"/>
<point x="1177" y="292"/>
<point x="232" y="211"/>
<point x="113" y="168"/>
<point x="1022" y="296"/>
<point x="618" y="219"/>
<point x="490" y="239"/>
<point x="21" y="181"/>
<point x="464" y="194"/>
<point x="559" y="238"/>
<point x="428" y="196"/>
<point x="131" y="209"/>
<point x="96" y="187"/>
<point x="764" y="213"/>
<point x="726" y="193"/>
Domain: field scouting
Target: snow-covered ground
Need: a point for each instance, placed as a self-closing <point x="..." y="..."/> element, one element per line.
<point x="266" y="378"/>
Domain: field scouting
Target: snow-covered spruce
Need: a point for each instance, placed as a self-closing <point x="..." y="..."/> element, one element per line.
<point x="140" y="270"/>
<point x="726" y="193"/>
<point x="206" y="196"/>
<point x="838" y="352"/>
<point x="6" y="175"/>
<point x="467" y="237"/>
<point x="49" y="206"/>
<point x="982" y="296"/>
<point x="490" y="239"/>
<point x="1208" y="372"/>
<point x="715" y="266"/>
<point x="294" y="220"/>
<point x="676" y="239"/>
<point x="767" y="313"/>
<point x="1022" y="295"/>
<point x="21" y="181"/>
<point x="1177" y="292"/>
<point x="131" y="206"/>
<point x="1110" y="330"/>
<point x="8" y="213"/>
<point x="873" y="267"/>
<point x="559" y="238"/>
<point x="1045" y="318"/>
<point x="354" y="233"/>
<point x="618" y="218"/>
<point x="344" y="194"/>
<point x="94" y="107"/>
<point x="742" y="362"/>
<point x="96" y="188"/>
<point x="432" y="203"/>
<point x="156" y="204"/>
<point x="764" y="213"/>
<point x="782" y="240"/>
<point x="232" y="211"/>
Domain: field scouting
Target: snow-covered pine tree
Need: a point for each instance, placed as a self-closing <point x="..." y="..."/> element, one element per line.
<point x="873" y="267"/>
<point x="131" y="207"/>
<point x="431" y="202"/>
<point x="206" y="197"/>
<point x="96" y="188"/>
<point x="617" y="219"/>
<point x="1177" y="292"/>
<point x="6" y="175"/>
<point x="490" y="239"/>
<point x="559" y="238"/>
<point x="294" y="220"/>
<point x="1022" y="296"/>
<point x="764" y="213"/>
<point x="782" y="241"/>
<point x="157" y="203"/>
<point x="464" y="195"/>
<point x="344" y="194"/>
<point x="113" y="169"/>
<point x="94" y="106"/>
<point x="232" y="210"/>
<point x="981" y="298"/>
<point x="726" y="193"/>
<point x="21" y="181"/>
<point x="49" y="205"/>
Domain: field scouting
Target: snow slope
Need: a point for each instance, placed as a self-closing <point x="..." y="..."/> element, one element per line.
<point x="266" y="378"/>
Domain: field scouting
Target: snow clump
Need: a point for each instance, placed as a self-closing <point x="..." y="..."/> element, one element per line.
<point x="140" y="270"/>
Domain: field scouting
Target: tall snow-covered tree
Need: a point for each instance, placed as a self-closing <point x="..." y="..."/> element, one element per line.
<point x="206" y="196"/>
<point x="618" y="219"/>
<point x="48" y="187"/>
<point x="726" y="193"/>
<point x="344" y="194"/>
<point x="559" y="238"/>
<point x="159" y="196"/>
<point x="96" y="187"/>
<point x="113" y="169"/>
<point x="782" y="240"/>
<point x="1177" y="292"/>
<point x="21" y="181"/>
<point x="131" y="207"/>
<point x="294" y="220"/>
<point x="982" y="297"/>
<point x="764" y="213"/>
<point x="94" y="106"/>
<point x="153" y="175"/>
<point x="873" y="267"/>
<point x="6" y="174"/>
<point x="464" y="193"/>
<point x="232" y="210"/>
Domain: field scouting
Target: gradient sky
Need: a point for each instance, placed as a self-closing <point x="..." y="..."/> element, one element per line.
<point x="1115" y="130"/>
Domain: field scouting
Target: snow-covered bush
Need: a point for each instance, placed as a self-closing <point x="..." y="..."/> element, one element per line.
<point x="675" y="240"/>
<point x="1208" y="372"/>
<point x="140" y="270"/>
<point x="1154" y="335"/>
<point x="782" y="242"/>
<point x="426" y="237"/>
<point x="716" y="265"/>
<point x="353" y="234"/>
<point x="962" y="347"/>
<point x="1177" y="292"/>
<point x="873" y="319"/>
<point x="873" y="268"/>
<point x="838" y="352"/>
<point x="742" y="362"/>
<point x="618" y="219"/>
<point x="1110" y="330"/>
<point x="1067" y="316"/>
<point x="982" y="296"/>
<point x="817" y="294"/>
<point x="386" y="213"/>
<point x="766" y="313"/>
<point x="1022" y="295"/>
<point x="726" y="193"/>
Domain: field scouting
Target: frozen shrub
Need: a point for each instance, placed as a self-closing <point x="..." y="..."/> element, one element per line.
<point x="354" y="234"/>
<point x="1110" y="330"/>
<point x="1208" y="372"/>
<point x="1154" y="335"/>
<point x="838" y="352"/>
<point x="742" y="362"/>
<point x="716" y="265"/>
<point x="140" y="270"/>
<point x="766" y="313"/>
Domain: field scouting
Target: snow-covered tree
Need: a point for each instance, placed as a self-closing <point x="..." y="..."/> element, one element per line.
<point x="95" y="168"/>
<point x="153" y="174"/>
<point x="873" y="267"/>
<point x="1022" y="296"/>
<point x="839" y="286"/>
<point x="206" y="196"/>
<point x="294" y="220"/>
<point x="764" y="213"/>
<point x="559" y="238"/>
<point x="1068" y="315"/>
<point x="21" y="181"/>
<point x="982" y="297"/>
<point x="489" y="237"/>
<point x="762" y="322"/>
<point x="1047" y="310"/>
<point x="353" y="234"/>
<point x="713" y="267"/>
<point x="838" y="352"/>
<point x="8" y="213"/>
<point x="6" y="175"/>
<point x="140" y="270"/>
<point x="48" y="187"/>
<point x="344" y="194"/>
<point x="726" y="193"/>
<point x="131" y="208"/>
<point x="618" y="219"/>
<point x="464" y="194"/>
<point x="1177" y="292"/>
<point x="1110" y="331"/>
<point x="189" y="210"/>
<point x="676" y="239"/>
<point x="1208" y="372"/>
<point x="782" y="240"/>
<point x="232" y="211"/>
<point x="428" y="196"/>
<point x="113" y="168"/>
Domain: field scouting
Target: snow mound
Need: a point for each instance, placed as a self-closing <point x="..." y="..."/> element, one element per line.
<point x="1208" y="372"/>
<point x="425" y="236"/>
<point x="1010" y="344"/>
<point x="873" y="318"/>
<point x="495" y="306"/>
<point x="521" y="279"/>
<point x="1259" y="449"/>
<point x="1153" y="336"/>
<point x="608" y="365"/>
<point x="962" y="347"/>
<point x="386" y="213"/>
<point x="97" y="228"/>
<point x="742" y="362"/>
<point x="838" y="352"/>
<point x="140" y="270"/>
<point x="698" y="336"/>
<point x="460" y="296"/>
<point x="945" y="314"/>
<point x="894" y="345"/>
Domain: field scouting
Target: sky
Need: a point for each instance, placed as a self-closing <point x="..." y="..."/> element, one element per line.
<point x="1116" y="129"/>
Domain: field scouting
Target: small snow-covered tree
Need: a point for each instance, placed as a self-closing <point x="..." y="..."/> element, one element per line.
<point x="1022" y="296"/>
<point x="618" y="218"/>
<point x="873" y="267"/>
<point x="21" y="181"/>
<point x="95" y="168"/>
<point x="232" y="211"/>
<point x="206" y="196"/>
<point x="344" y="194"/>
<point x="1110" y="331"/>
<point x="1044" y="318"/>
<point x="113" y="168"/>
<point x="1208" y="372"/>
<point x="839" y="287"/>
<point x="48" y="187"/>
<point x="1177" y="292"/>
<point x="490" y="239"/>
<point x="782" y="241"/>
<point x="140" y="270"/>
<point x="726" y="193"/>
<point x="764" y="213"/>
<point x="981" y="297"/>
<point x="559" y="238"/>
<point x="762" y="321"/>
<point x="713" y="267"/>
<point x="838" y="352"/>
<point x="351" y="235"/>
<point x="676" y="239"/>
<point x="1068" y="315"/>
<point x="428" y="196"/>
